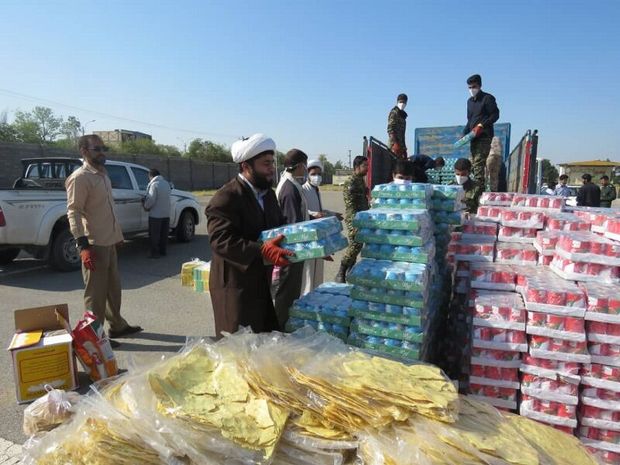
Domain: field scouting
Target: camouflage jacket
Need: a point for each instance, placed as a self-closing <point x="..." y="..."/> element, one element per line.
<point x="608" y="195"/>
<point x="355" y="196"/>
<point x="470" y="201"/>
<point x="397" y="124"/>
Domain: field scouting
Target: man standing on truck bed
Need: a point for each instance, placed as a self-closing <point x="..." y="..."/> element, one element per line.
<point x="355" y="200"/>
<point x="397" y="125"/>
<point x="97" y="232"/>
<point x="482" y="113"/>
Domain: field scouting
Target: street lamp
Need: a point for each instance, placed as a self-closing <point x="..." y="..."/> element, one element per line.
<point x="84" y="125"/>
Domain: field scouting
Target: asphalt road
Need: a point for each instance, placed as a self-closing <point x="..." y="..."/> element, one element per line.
<point x="152" y="297"/>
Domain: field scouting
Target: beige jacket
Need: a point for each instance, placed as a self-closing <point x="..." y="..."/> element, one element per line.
<point x="90" y="206"/>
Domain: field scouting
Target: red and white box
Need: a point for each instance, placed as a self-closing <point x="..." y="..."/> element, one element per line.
<point x="611" y="228"/>
<point x="604" y="457"/>
<point x="605" y="354"/>
<point x="559" y="349"/>
<point x="494" y="376"/>
<point x="522" y="218"/>
<point x="499" y="339"/>
<point x="504" y="398"/>
<point x="548" y="411"/>
<point x="481" y="249"/>
<point x="504" y="310"/>
<point x="557" y="389"/>
<point x="546" y="240"/>
<point x="545" y="260"/>
<point x="473" y="227"/>
<point x="596" y="417"/>
<point x="601" y="376"/>
<point x="497" y="199"/>
<point x="498" y="358"/>
<point x="597" y="217"/>
<point x="603" y="302"/>
<point x="462" y="269"/>
<point x="520" y="235"/>
<point x="584" y="271"/>
<point x="538" y="202"/>
<point x="551" y="368"/>
<point x="487" y="213"/>
<point x="588" y="247"/>
<point x="548" y="294"/>
<point x="556" y="326"/>
<point x="606" y="333"/>
<point x="566" y="222"/>
<point x="493" y="276"/>
<point x="515" y="253"/>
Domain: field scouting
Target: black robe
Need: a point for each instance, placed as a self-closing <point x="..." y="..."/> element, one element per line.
<point x="239" y="281"/>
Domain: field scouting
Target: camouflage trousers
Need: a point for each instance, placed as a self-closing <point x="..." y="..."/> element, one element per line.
<point x="353" y="249"/>
<point x="494" y="163"/>
<point x="480" y="148"/>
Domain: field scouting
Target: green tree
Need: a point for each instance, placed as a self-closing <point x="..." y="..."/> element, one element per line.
<point x="339" y="165"/>
<point x="72" y="128"/>
<point x="7" y="131"/>
<point x="148" y="146"/>
<point x="38" y="126"/>
<point x="209" y="151"/>
<point x="328" y="167"/>
<point x="549" y="172"/>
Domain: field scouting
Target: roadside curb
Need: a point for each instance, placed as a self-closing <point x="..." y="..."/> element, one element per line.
<point x="10" y="453"/>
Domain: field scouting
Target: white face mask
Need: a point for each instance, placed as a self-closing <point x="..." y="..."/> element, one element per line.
<point x="460" y="180"/>
<point x="402" y="181"/>
<point x="316" y="180"/>
<point x="401" y="105"/>
<point x="473" y="92"/>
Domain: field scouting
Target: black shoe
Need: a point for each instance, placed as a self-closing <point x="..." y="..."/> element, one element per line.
<point x="114" y="344"/>
<point x="342" y="274"/>
<point x="129" y="330"/>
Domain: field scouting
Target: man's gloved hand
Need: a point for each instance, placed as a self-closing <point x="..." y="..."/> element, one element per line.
<point x="88" y="258"/>
<point x="273" y="253"/>
<point x="478" y="130"/>
<point x="396" y="148"/>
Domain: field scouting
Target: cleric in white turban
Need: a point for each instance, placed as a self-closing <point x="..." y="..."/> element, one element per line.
<point x="250" y="147"/>
<point x="241" y="266"/>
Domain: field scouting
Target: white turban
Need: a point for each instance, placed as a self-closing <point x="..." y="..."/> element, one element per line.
<point x="246" y="149"/>
<point x="315" y="164"/>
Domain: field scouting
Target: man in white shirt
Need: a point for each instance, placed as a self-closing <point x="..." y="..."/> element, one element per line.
<point x="313" y="269"/>
<point x="157" y="203"/>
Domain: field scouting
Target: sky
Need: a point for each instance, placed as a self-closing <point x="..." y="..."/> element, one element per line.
<point x="317" y="75"/>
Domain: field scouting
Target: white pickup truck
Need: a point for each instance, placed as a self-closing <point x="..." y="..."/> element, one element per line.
<point x="33" y="214"/>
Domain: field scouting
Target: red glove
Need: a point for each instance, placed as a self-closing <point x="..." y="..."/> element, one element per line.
<point x="273" y="253"/>
<point x="478" y="130"/>
<point x="88" y="258"/>
<point x="396" y="148"/>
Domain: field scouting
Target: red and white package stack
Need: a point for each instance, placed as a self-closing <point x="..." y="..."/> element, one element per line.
<point x="488" y="213"/>
<point x="588" y="247"/>
<point x="515" y="253"/>
<point x="516" y="218"/>
<point x="494" y="377"/>
<point x="546" y="240"/>
<point x="538" y="202"/>
<point x="584" y="271"/>
<point x="569" y="328"/>
<point x="545" y="381"/>
<point x="566" y="222"/>
<point x="521" y="235"/>
<point x="597" y="217"/>
<point x="462" y="269"/>
<point x="497" y="199"/>
<point x="480" y="249"/>
<point x="599" y="420"/>
<point x="545" y="292"/>
<point x="603" y="302"/>
<point x="473" y="227"/>
<point x="612" y="228"/>
<point x="493" y="276"/>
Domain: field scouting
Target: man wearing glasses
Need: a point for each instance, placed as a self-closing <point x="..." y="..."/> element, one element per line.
<point x="482" y="112"/>
<point x="97" y="232"/>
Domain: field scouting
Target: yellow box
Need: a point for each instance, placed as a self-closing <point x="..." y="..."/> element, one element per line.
<point x="42" y="352"/>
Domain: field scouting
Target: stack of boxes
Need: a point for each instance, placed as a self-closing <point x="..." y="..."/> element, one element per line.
<point x="195" y="273"/>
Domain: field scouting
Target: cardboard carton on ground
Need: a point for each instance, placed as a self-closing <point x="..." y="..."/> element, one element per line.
<point x="42" y="352"/>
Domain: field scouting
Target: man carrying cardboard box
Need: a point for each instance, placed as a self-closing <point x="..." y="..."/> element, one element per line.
<point x="97" y="232"/>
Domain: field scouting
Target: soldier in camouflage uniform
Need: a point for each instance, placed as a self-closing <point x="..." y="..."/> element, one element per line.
<point x="355" y="200"/>
<point x="482" y="113"/>
<point x="397" y="125"/>
<point x="462" y="170"/>
<point x="608" y="192"/>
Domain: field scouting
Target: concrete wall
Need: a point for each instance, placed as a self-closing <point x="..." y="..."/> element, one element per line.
<point x="185" y="173"/>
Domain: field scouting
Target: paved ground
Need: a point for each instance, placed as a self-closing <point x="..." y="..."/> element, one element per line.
<point x="152" y="297"/>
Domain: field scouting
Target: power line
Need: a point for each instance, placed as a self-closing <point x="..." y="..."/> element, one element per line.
<point x="107" y="115"/>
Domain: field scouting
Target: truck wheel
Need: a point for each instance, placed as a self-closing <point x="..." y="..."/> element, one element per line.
<point x="186" y="228"/>
<point x="8" y="255"/>
<point x="64" y="255"/>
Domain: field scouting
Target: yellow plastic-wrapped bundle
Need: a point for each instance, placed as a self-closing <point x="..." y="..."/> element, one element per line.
<point x="187" y="272"/>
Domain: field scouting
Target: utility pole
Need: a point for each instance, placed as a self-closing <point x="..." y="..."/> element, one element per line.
<point x="350" y="165"/>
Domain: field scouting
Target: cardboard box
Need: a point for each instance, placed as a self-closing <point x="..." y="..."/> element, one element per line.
<point x="42" y="352"/>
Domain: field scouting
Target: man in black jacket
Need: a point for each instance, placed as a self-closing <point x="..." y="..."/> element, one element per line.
<point x="482" y="113"/>
<point x="589" y="195"/>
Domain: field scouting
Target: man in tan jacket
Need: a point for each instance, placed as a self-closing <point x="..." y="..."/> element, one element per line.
<point x="97" y="232"/>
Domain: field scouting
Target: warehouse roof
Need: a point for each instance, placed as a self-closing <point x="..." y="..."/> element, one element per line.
<point x="592" y="163"/>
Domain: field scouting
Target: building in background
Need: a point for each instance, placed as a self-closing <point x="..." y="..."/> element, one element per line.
<point x="118" y="136"/>
<point x="597" y="168"/>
